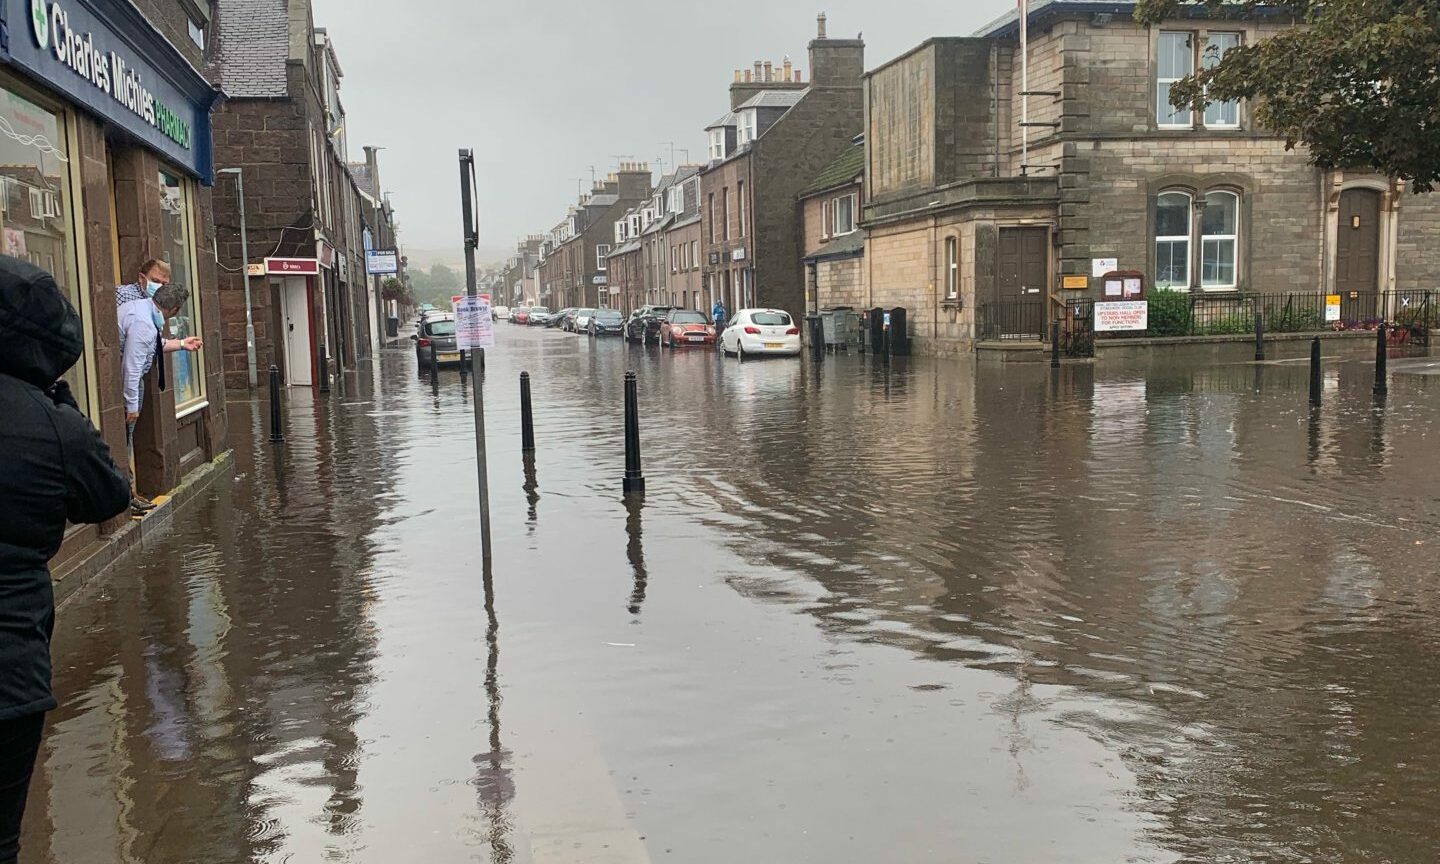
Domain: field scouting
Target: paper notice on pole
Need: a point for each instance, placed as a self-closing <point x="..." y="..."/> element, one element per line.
<point x="473" y="324"/>
<point x="1124" y="315"/>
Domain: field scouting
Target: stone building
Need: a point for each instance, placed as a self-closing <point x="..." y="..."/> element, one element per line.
<point x="378" y="234"/>
<point x="93" y="185"/>
<point x="778" y="135"/>
<point x="834" y="241"/>
<point x="573" y="260"/>
<point x="988" y="205"/>
<point x="283" y="125"/>
<point x="682" y="239"/>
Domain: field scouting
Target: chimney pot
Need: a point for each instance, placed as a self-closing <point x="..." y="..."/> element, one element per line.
<point x="789" y="70"/>
<point x="759" y="70"/>
<point x="747" y="76"/>
<point x="820" y="26"/>
<point x="769" y="71"/>
<point x="737" y="76"/>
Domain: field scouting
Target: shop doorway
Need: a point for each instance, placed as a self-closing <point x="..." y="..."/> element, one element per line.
<point x="295" y="312"/>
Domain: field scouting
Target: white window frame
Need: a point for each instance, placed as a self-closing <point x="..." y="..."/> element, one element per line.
<point x="1187" y="238"/>
<point x="694" y="253"/>
<point x="1162" y="84"/>
<point x="835" y="210"/>
<point x="601" y="250"/>
<point x="825" y="219"/>
<point x="746" y="127"/>
<point x="1232" y="239"/>
<point x="740" y="197"/>
<point x="1209" y="59"/>
<point x="717" y="143"/>
<point x="952" y="267"/>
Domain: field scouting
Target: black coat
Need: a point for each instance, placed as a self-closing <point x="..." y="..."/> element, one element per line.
<point x="54" y="466"/>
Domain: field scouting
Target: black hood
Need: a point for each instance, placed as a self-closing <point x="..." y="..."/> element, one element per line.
<point x="41" y="335"/>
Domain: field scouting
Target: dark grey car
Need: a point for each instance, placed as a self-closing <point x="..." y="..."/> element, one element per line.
<point x="436" y="336"/>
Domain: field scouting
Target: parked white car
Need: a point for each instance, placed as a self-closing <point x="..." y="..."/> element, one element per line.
<point x="501" y="313"/>
<point x="755" y="332"/>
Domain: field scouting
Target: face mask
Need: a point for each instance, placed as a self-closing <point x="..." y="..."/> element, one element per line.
<point x="151" y="288"/>
<point x="159" y="319"/>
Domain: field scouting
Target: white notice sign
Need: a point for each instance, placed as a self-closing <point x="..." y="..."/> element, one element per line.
<point x="473" y="324"/>
<point x="1122" y="315"/>
<point x="1101" y="267"/>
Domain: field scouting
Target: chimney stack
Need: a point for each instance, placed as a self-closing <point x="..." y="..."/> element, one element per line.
<point x="747" y="76"/>
<point x="737" y="76"/>
<point x="759" y="70"/>
<point x="789" y="72"/>
<point x="769" y="71"/>
<point x="820" y="26"/>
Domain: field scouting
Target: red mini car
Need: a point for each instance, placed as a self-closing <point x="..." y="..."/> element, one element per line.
<point x="520" y="316"/>
<point x="686" y="327"/>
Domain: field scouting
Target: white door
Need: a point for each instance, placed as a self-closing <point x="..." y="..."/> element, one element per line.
<point x="295" y="308"/>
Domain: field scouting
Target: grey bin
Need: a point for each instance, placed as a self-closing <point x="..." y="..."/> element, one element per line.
<point x="841" y="328"/>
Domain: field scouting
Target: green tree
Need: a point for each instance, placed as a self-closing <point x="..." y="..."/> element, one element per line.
<point x="444" y="277"/>
<point x="1357" y="82"/>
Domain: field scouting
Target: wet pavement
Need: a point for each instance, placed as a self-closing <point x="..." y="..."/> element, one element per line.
<point x="942" y="613"/>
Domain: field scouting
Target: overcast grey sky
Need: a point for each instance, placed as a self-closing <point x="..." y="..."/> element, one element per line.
<point x="543" y="90"/>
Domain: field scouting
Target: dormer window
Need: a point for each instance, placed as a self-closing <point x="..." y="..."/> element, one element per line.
<point x="677" y="199"/>
<point x="717" y="143"/>
<point x="747" y="128"/>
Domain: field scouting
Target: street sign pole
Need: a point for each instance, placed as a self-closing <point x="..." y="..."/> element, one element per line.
<point x="472" y="239"/>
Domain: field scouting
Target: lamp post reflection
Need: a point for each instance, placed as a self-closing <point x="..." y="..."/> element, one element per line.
<point x="494" y="780"/>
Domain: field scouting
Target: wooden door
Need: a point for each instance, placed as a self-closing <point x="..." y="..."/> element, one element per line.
<point x="1357" y="243"/>
<point x="1022" y="273"/>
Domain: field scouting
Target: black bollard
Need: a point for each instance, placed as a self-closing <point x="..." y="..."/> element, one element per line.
<point x="1315" y="387"/>
<point x="1382" y="357"/>
<point x="1259" y="337"/>
<point x="277" y="434"/>
<point x="634" y="479"/>
<point x="527" y="421"/>
<point x="1055" y="345"/>
<point x="324" y="370"/>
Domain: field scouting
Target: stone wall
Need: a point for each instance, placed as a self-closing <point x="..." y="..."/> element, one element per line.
<point x="840" y="282"/>
<point x="1417" y="254"/>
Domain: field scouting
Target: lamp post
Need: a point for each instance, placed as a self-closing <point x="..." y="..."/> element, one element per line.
<point x="245" y="275"/>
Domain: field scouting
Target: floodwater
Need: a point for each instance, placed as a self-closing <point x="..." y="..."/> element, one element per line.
<point x="940" y="613"/>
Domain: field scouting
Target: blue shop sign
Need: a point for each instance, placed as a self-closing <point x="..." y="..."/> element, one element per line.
<point x="109" y="60"/>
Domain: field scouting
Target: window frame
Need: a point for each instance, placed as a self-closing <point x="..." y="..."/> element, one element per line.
<point x="740" y="197"/>
<point x="1205" y="52"/>
<point x="1232" y="239"/>
<point x="1188" y="237"/>
<point x="851" y="202"/>
<point x="602" y="250"/>
<point x="952" y="267"/>
<point x="717" y="143"/>
<point x="1162" y="102"/>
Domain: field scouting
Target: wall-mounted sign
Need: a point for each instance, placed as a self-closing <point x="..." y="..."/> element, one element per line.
<point x="115" y="64"/>
<point x="292" y="266"/>
<point x="1075" y="283"/>
<point x="1100" y="266"/>
<point x="326" y="253"/>
<point x="602" y="279"/>
<point x="1332" y="307"/>
<point x="1122" y="315"/>
<point x="381" y="262"/>
<point x="737" y="255"/>
<point x="254" y="269"/>
<point x="714" y="257"/>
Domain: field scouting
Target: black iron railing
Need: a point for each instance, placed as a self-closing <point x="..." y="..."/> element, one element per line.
<point x="1011" y="319"/>
<point x="1410" y="314"/>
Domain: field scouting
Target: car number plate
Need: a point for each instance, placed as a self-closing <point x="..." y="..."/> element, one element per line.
<point x="774" y="344"/>
<point x="447" y="356"/>
<point x="696" y="338"/>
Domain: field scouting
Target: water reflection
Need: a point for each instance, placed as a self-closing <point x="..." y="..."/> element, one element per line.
<point x="928" y="612"/>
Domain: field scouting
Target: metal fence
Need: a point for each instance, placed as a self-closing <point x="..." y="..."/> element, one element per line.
<point x="1411" y="314"/>
<point x="1011" y="319"/>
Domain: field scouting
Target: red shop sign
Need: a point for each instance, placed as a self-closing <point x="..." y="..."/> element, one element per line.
<point x="292" y="265"/>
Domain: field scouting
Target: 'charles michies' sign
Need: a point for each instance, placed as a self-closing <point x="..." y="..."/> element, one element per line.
<point x="106" y="70"/>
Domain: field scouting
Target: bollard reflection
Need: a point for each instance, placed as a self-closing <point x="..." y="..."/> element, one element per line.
<point x="494" y="779"/>
<point x="532" y="491"/>
<point x="635" y="551"/>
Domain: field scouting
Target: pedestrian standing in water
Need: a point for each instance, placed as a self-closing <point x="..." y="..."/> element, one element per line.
<point x="718" y="314"/>
<point x="54" y="468"/>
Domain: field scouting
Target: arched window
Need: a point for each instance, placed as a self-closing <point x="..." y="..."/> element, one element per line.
<point x="1218" y="234"/>
<point x="1172" y="240"/>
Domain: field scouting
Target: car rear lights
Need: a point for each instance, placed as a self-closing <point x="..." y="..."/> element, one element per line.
<point x="793" y="331"/>
<point x="753" y="331"/>
<point x="424" y="343"/>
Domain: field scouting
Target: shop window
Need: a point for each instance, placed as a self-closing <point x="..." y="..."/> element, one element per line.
<point x="177" y="246"/>
<point x="35" y="197"/>
<point x="952" y="267"/>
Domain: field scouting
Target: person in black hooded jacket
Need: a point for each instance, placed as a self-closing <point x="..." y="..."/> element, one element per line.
<point x="54" y="468"/>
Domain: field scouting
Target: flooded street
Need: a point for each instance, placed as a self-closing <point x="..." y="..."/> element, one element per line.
<point x="944" y="613"/>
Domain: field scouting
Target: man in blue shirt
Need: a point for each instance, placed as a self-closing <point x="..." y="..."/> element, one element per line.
<point x="154" y="273"/>
<point x="718" y="313"/>
<point x="142" y="340"/>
